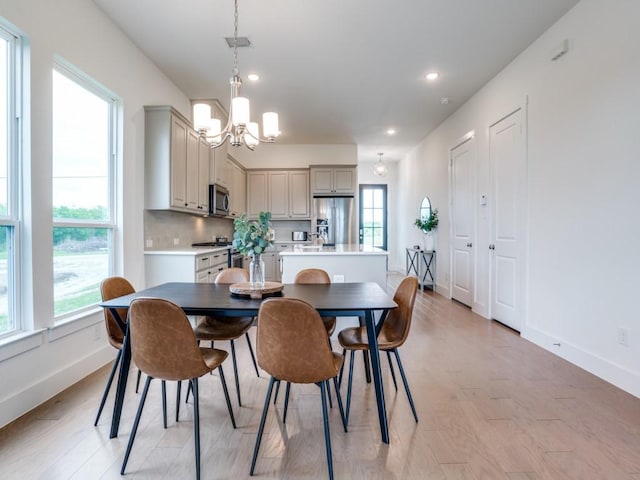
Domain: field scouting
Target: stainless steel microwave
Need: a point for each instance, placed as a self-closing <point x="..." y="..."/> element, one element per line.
<point x="218" y="201"/>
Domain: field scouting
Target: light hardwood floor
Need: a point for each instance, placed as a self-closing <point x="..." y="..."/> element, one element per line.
<point x="491" y="406"/>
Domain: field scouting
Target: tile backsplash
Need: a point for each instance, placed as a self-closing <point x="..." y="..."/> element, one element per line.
<point x="163" y="227"/>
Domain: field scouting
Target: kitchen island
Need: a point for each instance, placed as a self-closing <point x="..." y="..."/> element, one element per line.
<point x="343" y="263"/>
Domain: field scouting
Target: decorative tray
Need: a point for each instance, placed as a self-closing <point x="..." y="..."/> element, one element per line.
<point x="247" y="289"/>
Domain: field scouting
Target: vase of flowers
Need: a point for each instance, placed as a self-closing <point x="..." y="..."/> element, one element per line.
<point x="252" y="237"/>
<point x="428" y="226"/>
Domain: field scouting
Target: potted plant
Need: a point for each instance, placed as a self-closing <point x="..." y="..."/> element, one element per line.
<point x="428" y="225"/>
<point x="253" y="237"/>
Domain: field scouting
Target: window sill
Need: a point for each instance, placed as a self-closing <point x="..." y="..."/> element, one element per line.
<point x="20" y="343"/>
<point x="76" y="323"/>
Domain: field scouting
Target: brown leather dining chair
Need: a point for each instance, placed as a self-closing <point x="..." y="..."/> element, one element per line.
<point x="393" y="334"/>
<point x="163" y="346"/>
<point x="311" y="276"/>
<point x="110" y="288"/>
<point x="292" y="346"/>
<point x="222" y="328"/>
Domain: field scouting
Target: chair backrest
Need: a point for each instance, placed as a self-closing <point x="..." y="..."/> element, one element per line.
<point x="398" y="322"/>
<point x="312" y="275"/>
<point x="232" y="275"/>
<point x="163" y="344"/>
<point x="110" y="288"/>
<point x="292" y="342"/>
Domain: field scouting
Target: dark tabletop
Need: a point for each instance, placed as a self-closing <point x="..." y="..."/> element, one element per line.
<point x="209" y="298"/>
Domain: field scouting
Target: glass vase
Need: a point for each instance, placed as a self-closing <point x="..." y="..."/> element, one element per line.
<point x="256" y="271"/>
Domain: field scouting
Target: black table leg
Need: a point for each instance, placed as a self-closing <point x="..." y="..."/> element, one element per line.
<point x="122" y="383"/>
<point x="377" y="374"/>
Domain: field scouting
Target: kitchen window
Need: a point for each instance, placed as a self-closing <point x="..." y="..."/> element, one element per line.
<point x="10" y="110"/>
<point x="84" y="154"/>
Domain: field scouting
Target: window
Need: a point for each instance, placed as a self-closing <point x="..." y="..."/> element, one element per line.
<point x="10" y="108"/>
<point x="373" y="215"/>
<point x="84" y="120"/>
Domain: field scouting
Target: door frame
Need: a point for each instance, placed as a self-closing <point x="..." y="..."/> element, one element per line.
<point x="385" y="223"/>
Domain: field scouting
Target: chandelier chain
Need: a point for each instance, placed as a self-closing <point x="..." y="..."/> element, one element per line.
<point x="235" y="38"/>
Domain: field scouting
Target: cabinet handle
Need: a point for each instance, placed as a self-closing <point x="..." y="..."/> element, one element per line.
<point x="469" y="245"/>
<point x="492" y="247"/>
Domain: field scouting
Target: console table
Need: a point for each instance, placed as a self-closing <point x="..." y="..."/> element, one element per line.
<point x="421" y="263"/>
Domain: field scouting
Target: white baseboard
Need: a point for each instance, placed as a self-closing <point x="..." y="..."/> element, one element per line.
<point x="620" y="376"/>
<point x="19" y="403"/>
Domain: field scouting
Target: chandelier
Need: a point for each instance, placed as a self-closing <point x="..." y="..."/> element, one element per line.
<point x="239" y="128"/>
<point x="380" y="169"/>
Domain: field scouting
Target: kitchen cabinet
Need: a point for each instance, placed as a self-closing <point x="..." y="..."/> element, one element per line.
<point x="333" y="180"/>
<point x="271" y="269"/>
<point x="238" y="191"/>
<point x="285" y="193"/>
<point x="175" y="162"/>
<point x="221" y="173"/>
<point x="181" y="266"/>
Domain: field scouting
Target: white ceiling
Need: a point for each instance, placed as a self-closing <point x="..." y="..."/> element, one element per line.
<point x="339" y="71"/>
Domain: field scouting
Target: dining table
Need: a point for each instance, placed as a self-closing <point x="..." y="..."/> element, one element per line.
<point x="365" y="300"/>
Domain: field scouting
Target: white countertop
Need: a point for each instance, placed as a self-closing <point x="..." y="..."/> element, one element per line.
<point x="186" y="250"/>
<point x="350" y="249"/>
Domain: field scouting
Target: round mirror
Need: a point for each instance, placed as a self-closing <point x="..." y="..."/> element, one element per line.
<point x="425" y="208"/>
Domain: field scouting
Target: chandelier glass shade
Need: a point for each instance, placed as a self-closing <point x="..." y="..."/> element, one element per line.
<point x="380" y="168"/>
<point x="239" y="129"/>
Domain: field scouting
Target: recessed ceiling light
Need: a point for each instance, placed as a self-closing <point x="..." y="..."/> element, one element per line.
<point x="253" y="77"/>
<point x="391" y="131"/>
<point x="432" y="75"/>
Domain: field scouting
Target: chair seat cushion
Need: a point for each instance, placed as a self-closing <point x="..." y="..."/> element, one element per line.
<point x="213" y="357"/>
<point x="222" y="328"/>
<point x="329" y="324"/>
<point x="355" y="338"/>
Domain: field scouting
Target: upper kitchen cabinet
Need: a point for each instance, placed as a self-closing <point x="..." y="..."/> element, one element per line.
<point x="333" y="180"/>
<point x="222" y="170"/>
<point x="238" y="190"/>
<point x="176" y="162"/>
<point x="285" y="193"/>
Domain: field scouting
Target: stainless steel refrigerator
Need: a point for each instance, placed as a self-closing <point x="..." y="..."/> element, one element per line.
<point x="335" y="220"/>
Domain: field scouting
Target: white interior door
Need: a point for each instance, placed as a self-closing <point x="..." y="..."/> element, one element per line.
<point x="462" y="212"/>
<point x="508" y="163"/>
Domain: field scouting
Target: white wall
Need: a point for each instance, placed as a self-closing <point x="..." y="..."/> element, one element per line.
<point x="583" y="177"/>
<point x="79" y="32"/>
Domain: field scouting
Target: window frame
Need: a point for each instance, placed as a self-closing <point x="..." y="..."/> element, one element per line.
<point x="114" y="103"/>
<point x="383" y="188"/>
<point x="13" y="218"/>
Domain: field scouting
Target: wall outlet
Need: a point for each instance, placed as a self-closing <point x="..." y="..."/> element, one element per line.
<point x="623" y="337"/>
<point x="176" y="241"/>
<point x="149" y="243"/>
<point x="338" y="279"/>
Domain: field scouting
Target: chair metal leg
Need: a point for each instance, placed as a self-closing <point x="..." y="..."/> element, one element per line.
<point x="340" y="407"/>
<point x="186" y="399"/>
<point x="235" y="371"/>
<point x="275" y="397"/>
<point x="178" y="401"/>
<point x="344" y="352"/>
<point x="107" y="387"/>
<point x="226" y="396"/>
<point x="406" y="384"/>
<point x="263" y="419"/>
<point x="138" y="380"/>
<point x="253" y="357"/>
<point x="286" y="402"/>
<point x="132" y="437"/>
<point x="327" y="434"/>
<point x="393" y="373"/>
<point x="196" y="424"/>
<point x="367" y="365"/>
<point x="164" y="404"/>
<point x="329" y="395"/>
<point x="349" y="385"/>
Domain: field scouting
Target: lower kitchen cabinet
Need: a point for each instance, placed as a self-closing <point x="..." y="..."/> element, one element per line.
<point x="184" y="266"/>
